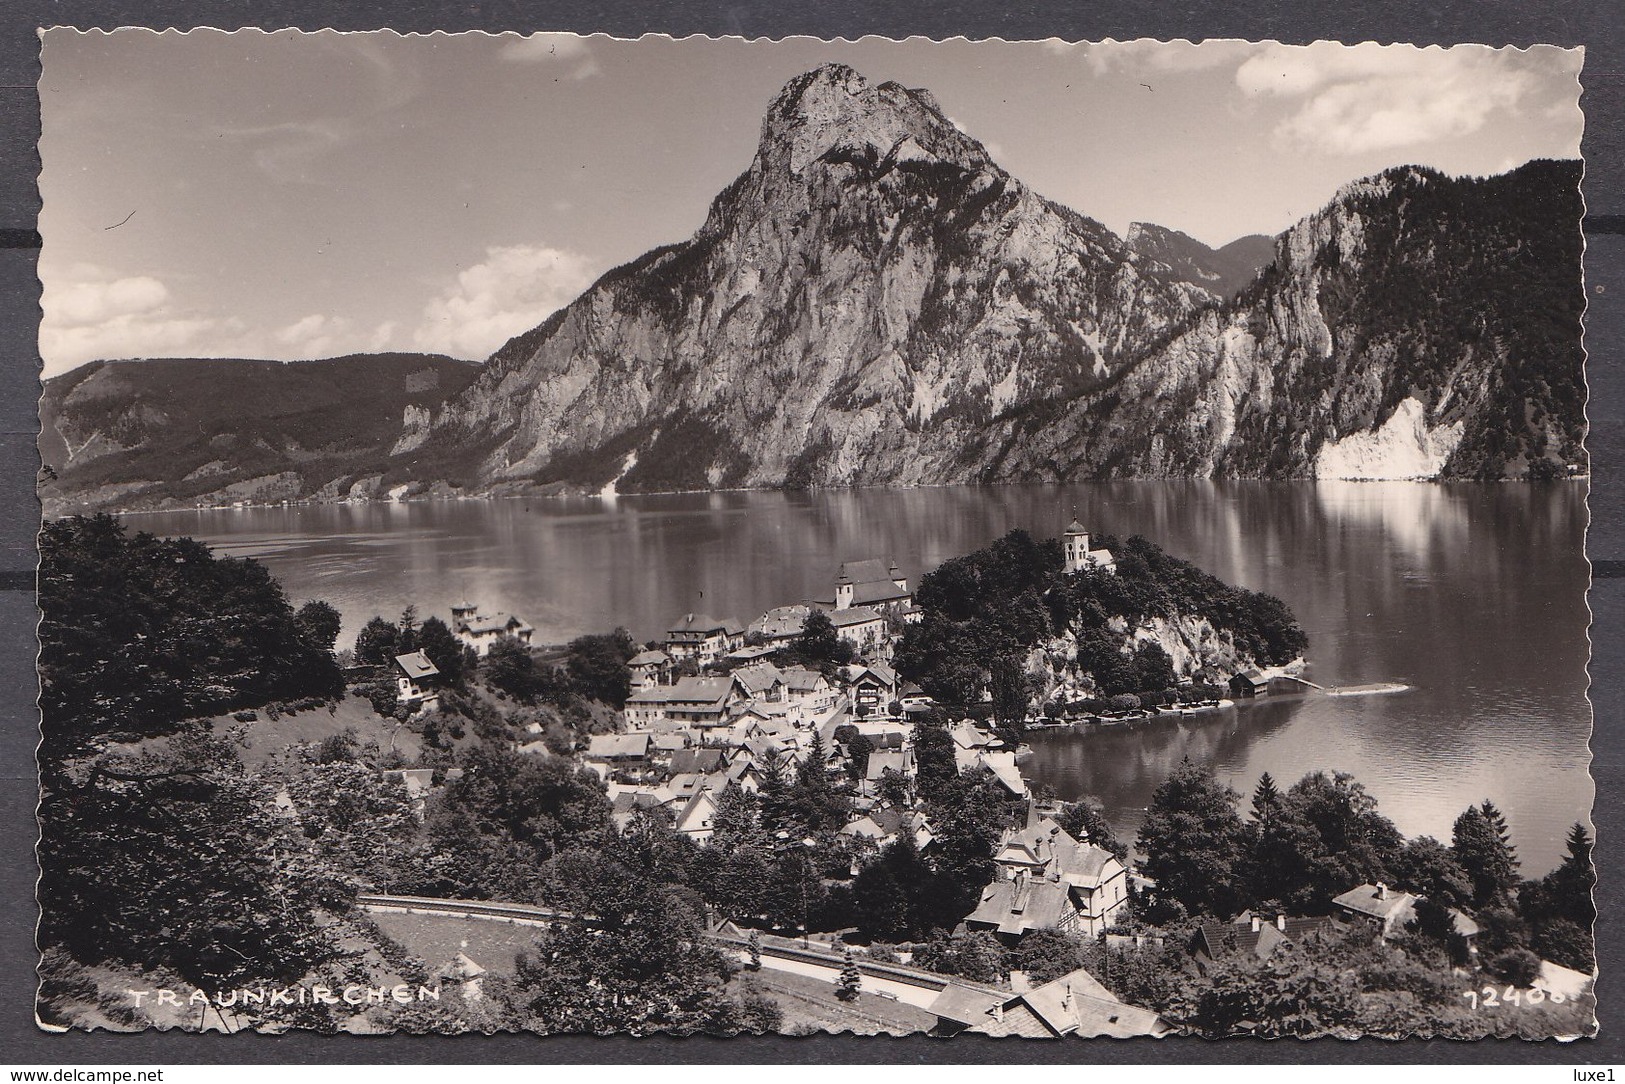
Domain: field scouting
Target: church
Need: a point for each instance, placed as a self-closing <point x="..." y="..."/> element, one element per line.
<point x="1077" y="555"/>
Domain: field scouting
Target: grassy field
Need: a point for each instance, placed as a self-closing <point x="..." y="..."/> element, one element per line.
<point x="267" y="736"/>
<point x="809" y="1005"/>
<point x="434" y="939"/>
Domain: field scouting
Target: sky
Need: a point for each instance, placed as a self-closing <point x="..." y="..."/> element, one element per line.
<point x="286" y="195"/>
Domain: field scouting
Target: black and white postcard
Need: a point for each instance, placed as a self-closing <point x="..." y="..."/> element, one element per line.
<point x="587" y="536"/>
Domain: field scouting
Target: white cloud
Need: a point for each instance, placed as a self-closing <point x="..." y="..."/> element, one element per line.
<point x="1368" y="97"/>
<point x="569" y="51"/>
<point x="512" y="290"/>
<point x="1148" y="56"/>
<point x="90" y="313"/>
<point x="316" y="336"/>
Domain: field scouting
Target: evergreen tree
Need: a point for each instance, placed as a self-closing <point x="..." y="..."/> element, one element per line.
<point x="934" y="765"/>
<point x="1266" y="799"/>
<point x="753" y="948"/>
<point x="1325" y="836"/>
<point x="1482" y="846"/>
<point x="851" y="980"/>
<point x="406" y="640"/>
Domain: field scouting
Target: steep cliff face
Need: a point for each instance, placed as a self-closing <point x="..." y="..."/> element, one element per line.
<point x="1418" y="326"/>
<point x="875" y="301"/>
<point x="859" y="307"/>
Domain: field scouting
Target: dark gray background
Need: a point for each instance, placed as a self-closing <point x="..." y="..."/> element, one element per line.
<point x="1592" y="23"/>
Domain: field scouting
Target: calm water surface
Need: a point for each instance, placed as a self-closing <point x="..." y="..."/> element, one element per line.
<point x="1473" y="595"/>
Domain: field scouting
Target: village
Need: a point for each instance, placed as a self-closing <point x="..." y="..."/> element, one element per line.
<point x="718" y="704"/>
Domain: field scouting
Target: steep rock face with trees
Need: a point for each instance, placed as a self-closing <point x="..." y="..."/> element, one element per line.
<point x="1418" y="326"/>
<point x="861" y="305"/>
<point x="1009" y="621"/>
<point x="875" y="301"/>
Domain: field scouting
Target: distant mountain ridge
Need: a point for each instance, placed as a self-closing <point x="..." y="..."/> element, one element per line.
<point x="1223" y="270"/>
<point x="174" y="431"/>
<point x="875" y="301"/>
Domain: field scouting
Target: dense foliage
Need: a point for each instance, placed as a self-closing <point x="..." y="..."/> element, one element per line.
<point x="984" y="612"/>
<point x="177" y="859"/>
<point x="138" y="633"/>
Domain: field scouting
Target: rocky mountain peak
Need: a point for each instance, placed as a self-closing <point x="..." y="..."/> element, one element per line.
<point x="833" y="113"/>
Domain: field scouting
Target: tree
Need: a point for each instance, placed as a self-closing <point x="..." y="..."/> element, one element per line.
<point x="753" y="948"/>
<point x="597" y="666"/>
<point x="642" y="968"/>
<point x="1484" y="849"/>
<point x="1325" y="837"/>
<point x="1560" y="908"/>
<point x="377" y="643"/>
<point x="1266" y="798"/>
<point x="448" y="653"/>
<point x="176" y="859"/>
<point x="1429" y="868"/>
<point x="510" y="668"/>
<point x="1086" y="820"/>
<point x="1568" y="888"/>
<point x="1046" y="955"/>
<point x="975" y="956"/>
<point x="851" y="980"/>
<point x="406" y="638"/>
<point x="934" y="765"/>
<point x="1009" y="688"/>
<point x="1520" y="967"/>
<point x="319" y="625"/>
<point x="139" y="633"/>
<point x="858" y="747"/>
<point x="819" y="644"/>
<point x="1195" y="843"/>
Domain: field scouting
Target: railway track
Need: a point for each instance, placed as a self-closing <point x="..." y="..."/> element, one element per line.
<point x="898" y="981"/>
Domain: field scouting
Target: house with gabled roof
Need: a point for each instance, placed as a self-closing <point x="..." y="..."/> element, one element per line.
<point x="620" y="750"/>
<point x="780" y="626"/>
<point x="702" y="760"/>
<point x="649" y="668"/>
<point x="760" y="681"/>
<point x="646" y="707"/>
<point x="1383" y="908"/>
<point x="864" y="627"/>
<point x="701" y="701"/>
<point x="417" y="682"/>
<point x="479" y="631"/>
<point x="696" y="818"/>
<point x="808" y="693"/>
<point x="871" y="690"/>
<point x="1096" y="881"/>
<point x="1076" y="1004"/>
<point x="1011" y="909"/>
<point x="703" y="638"/>
<point x="1250" y="935"/>
<point x="1249" y="683"/>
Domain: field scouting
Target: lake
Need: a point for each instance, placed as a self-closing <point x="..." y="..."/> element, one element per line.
<point x="1471" y="594"/>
